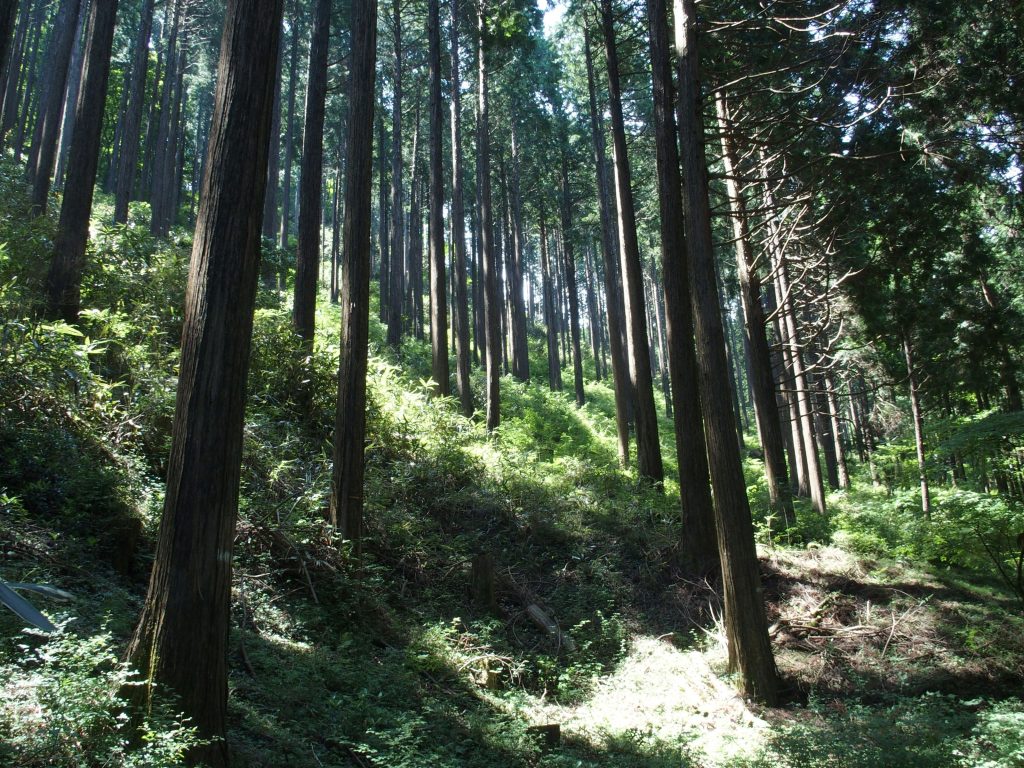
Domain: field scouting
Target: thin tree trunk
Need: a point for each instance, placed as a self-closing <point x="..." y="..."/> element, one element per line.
<point x="592" y="312"/>
<point x="28" y="86"/>
<point x="620" y="370"/>
<point x="699" y="552"/>
<point x="487" y="256"/>
<point x="438" y="277"/>
<point x="762" y="384"/>
<point x="648" y="447"/>
<point x="350" y="414"/>
<point x="520" y="343"/>
<point x="43" y="152"/>
<point x="12" y="45"/>
<point x="837" y="431"/>
<point x="129" y="156"/>
<point x="397" y="271"/>
<point x="289" y="139"/>
<point x="915" y="409"/>
<point x="182" y="637"/>
<point x="64" y="282"/>
<point x="274" y="161"/>
<point x="336" y="235"/>
<point x="554" y="367"/>
<point x="569" y="268"/>
<point x="458" y="216"/>
<point x="750" y="651"/>
<point x="307" y="263"/>
<point x="383" y="219"/>
<point x="70" y="101"/>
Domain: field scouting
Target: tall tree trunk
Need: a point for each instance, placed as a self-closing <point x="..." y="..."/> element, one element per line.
<point x="438" y="277"/>
<point x="550" y="321"/>
<point x="750" y="651"/>
<point x="110" y="178"/>
<point x="64" y="282"/>
<point x="274" y="161"/>
<point x="520" y="342"/>
<point x="620" y="369"/>
<point x="487" y="256"/>
<point x="802" y="391"/>
<point x="43" y="152"/>
<point x="165" y="147"/>
<point x="569" y="268"/>
<point x="593" y="313"/>
<point x="837" y="430"/>
<point x="28" y="86"/>
<point x="307" y="263"/>
<point x="458" y="215"/>
<point x="656" y="307"/>
<point x="915" y="409"/>
<point x="397" y="271"/>
<point x="698" y="551"/>
<point x="648" y="448"/>
<point x="70" y="101"/>
<point x="350" y="414"/>
<point x="383" y="219"/>
<point x="182" y="636"/>
<point x="11" y="42"/>
<point x="336" y="234"/>
<point x="128" y="158"/>
<point x="762" y="384"/>
<point x="289" y="138"/>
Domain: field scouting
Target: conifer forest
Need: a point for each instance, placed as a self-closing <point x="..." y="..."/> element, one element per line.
<point x="511" y="383"/>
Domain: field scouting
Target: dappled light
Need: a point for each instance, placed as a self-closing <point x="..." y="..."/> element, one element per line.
<point x="477" y="384"/>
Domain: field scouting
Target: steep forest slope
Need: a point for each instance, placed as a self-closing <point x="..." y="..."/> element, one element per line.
<point x="898" y="642"/>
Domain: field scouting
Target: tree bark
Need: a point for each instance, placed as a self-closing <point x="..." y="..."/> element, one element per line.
<point x="648" y="448"/>
<point x="569" y="268"/>
<point x="762" y="384"/>
<point x="699" y="552"/>
<point x="750" y="651"/>
<point x="520" y="343"/>
<point x="915" y="409"/>
<point x="307" y="263"/>
<point x="182" y="637"/>
<point x="438" y="276"/>
<point x="70" y="101"/>
<point x="289" y="139"/>
<point x="43" y="152"/>
<point x="397" y="270"/>
<point x="64" y="282"/>
<point x="274" y="161"/>
<point x="383" y="219"/>
<point x="128" y="158"/>
<point x="350" y="414"/>
<point x="620" y="370"/>
<point x="11" y="42"/>
<point x="458" y="215"/>
<point x="162" y="213"/>
<point x="491" y="309"/>
<point x="550" y="318"/>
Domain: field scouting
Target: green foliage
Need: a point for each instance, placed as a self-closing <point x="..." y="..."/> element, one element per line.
<point x="966" y="529"/>
<point x="63" y="703"/>
<point x="933" y="730"/>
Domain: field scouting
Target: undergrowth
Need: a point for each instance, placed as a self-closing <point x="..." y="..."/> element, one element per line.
<point x="383" y="659"/>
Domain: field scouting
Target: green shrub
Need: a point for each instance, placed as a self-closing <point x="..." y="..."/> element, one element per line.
<point x="62" y="705"/>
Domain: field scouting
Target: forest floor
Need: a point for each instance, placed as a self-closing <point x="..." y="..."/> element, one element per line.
<point x="382" y="658"/>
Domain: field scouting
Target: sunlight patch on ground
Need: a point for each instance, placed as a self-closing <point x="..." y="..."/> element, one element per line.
<point x="662" y="695"/>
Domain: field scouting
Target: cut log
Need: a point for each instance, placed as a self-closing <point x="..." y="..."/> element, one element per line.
<point x="546" y="623"/>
